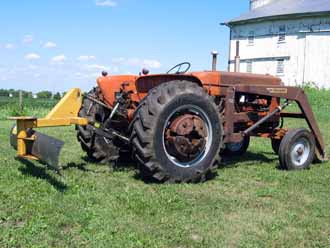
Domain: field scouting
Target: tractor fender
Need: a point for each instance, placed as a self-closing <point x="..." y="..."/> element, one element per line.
<point x="145" y="83"/>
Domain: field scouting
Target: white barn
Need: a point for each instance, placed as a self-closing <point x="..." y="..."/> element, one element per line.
<point x="286" y="38"/>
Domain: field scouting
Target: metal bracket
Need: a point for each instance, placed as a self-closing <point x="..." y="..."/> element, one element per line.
<point x="33" y="145"/>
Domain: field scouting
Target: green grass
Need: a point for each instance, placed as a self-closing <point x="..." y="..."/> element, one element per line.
<point x="32" y="107"/>
<point x="250" y="204"/>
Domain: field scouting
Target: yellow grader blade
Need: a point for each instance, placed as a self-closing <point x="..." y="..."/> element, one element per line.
<point x="36" y="146"/>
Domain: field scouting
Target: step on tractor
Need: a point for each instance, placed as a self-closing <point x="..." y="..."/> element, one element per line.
<point x="176" y="126"/>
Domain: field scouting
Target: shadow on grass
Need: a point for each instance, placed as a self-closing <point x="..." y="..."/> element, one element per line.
<point x="81" y="167"/>
<point x="150" y="180"/>
<point x="123" y="163"/>
<point x="41" y="173"/>
<point x="229" y="162"/>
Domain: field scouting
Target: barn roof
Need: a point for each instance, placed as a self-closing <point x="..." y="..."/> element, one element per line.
<point x="284" y="8"/>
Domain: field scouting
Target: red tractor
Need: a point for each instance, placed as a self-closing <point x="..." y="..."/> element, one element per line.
<point x="177" y="125"/>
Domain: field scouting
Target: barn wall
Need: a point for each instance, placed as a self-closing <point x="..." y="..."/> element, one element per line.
<point x="305" y="51"/>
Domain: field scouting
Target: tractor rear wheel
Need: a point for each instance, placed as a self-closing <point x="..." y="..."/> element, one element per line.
<point x="98" y="148"/>
<point x="177" y="134"/>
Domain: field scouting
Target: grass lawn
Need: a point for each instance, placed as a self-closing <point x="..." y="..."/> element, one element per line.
<point x="250" y="203"/>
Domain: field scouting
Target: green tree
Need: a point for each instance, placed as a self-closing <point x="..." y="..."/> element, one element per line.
<point x="27" y="94"/>
<point x="4" y="92"/>
<point x="57" y="96"/>
<point x="44" y="94"/>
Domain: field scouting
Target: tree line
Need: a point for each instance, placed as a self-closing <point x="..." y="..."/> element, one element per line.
<point x="28" y="94"/>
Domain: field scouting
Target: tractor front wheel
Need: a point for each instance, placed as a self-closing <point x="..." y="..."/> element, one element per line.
<point x="177" y="134"/>
<point x="97" y="148"/>
<point x="237" y="149"/>
<point x="297" y="150"/>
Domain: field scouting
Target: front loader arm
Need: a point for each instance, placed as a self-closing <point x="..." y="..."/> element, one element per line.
<point x="292" y="94"/>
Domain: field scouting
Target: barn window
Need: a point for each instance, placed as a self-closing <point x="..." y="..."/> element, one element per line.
<point x="282" y="34"/>
<point x="249" y="66"/>
<point x="251" y="38"/>
<point x="280" y="67"/>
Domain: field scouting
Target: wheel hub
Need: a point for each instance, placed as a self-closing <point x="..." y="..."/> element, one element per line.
<point x="300" y="152"/>
<point x="186" y="137"/>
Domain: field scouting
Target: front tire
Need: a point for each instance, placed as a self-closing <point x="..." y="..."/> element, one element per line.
<point x="297" y="150"/>
<point x="177" y="134"/>
<point x="97" y="148"/>
<point x="237" y="149"/>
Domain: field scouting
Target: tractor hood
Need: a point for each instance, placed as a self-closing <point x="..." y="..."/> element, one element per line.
<point x="141" y="85"/>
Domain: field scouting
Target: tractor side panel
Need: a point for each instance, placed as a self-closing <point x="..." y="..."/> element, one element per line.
<point x="210" y="80"/>
<point x="235" y="78"/>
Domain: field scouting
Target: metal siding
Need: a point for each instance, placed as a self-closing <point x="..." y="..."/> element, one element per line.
<point x="307" y="49"/>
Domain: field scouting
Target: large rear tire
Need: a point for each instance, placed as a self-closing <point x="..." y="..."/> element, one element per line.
<point x="97" y="148"/>
<point x="161" y="157"/>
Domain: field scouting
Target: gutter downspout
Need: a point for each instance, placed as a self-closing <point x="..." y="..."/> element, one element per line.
<point x="230" y="35"/>
<point x="229" y="55"/>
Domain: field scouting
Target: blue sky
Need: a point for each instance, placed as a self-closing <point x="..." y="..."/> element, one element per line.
<point x="57" y="45"/>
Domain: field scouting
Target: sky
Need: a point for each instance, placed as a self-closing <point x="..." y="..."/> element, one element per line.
<point x="60" y="44"/>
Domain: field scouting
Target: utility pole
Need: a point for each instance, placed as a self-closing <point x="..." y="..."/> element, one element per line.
<point x="21" y="101"/>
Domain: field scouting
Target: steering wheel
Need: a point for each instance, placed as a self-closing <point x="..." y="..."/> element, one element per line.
<point x="178" y="67"/>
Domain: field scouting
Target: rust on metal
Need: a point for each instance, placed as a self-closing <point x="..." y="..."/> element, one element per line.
<point x="186" y="137"/>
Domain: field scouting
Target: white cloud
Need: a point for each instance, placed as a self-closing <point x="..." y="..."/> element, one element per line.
<point x="96" y="67"/>
<point x="9" y="46"/>
<point x="86" y="58"/>
<point x="50" y="44"/>
<point x="32" y="67"/>
<point x="136" y="62"/>
<point x="32" y="56"/>
<point x="28" y="39"/>
<point x="118" y="60"/>
<point x="106" y="3"/>
<point x="154" y="64"/>
<point x="89" y="76"/>
<point x="59" y="58"/>
<point x="133" y="62"/>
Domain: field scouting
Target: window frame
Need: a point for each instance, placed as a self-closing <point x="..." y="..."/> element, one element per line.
<point x="249" y="66"/>
<point x="251" y="38"/>
<point x="282" y="34"/>
<point x="280" y="67"/>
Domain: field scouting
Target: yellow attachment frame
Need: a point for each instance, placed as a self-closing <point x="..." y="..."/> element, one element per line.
<point x="65" y="113"/>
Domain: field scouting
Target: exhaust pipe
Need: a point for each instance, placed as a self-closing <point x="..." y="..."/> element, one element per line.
<point x="214" y="60"/>
<point x="237" y="58"/>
